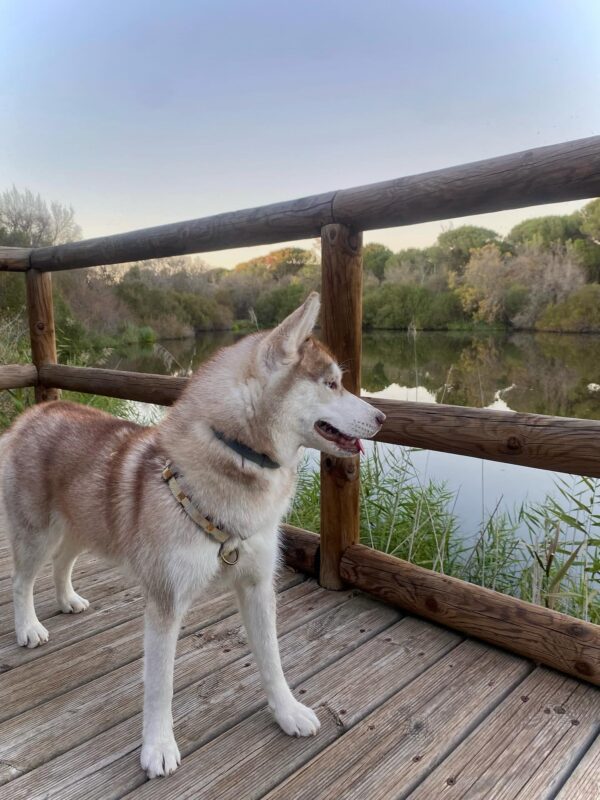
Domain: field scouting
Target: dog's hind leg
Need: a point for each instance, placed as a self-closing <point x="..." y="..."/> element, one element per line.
<point x="64" y="559"/>
<point x="29" y="552"/>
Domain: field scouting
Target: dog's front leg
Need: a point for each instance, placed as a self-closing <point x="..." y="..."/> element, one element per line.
<point x="160" y="754"/>
<point x="257" y="606"/>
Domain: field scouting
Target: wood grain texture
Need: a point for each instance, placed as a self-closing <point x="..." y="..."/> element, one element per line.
<point x="326" y="624"/>
<point x="14" y="259"/>
<point x="341" y="331"/>
<point x="584" y="783"/>
<point x="40" y="313"/>
<point x="567" y="171"/>
<point x="300" y="549"/>
<point x="526" y="748"/>
<point x="147" y="388"/>
<point x="392" y="749"/>
<point x="565" y="643"/>
<point x="17" y="376"/>
<point x="342" y="698"/>
<point x="277" y="222"/>
<point x="107" y="766"/>
<point x="532" y="440"/>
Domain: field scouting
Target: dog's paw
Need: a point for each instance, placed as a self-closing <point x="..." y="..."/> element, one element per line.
<point x="160" y="758"/>
<point x="296" y="719"/>
<point x="32" y="634"/>
<point x="73" y="604"/>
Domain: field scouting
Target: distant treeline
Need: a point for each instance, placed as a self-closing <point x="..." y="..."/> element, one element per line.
<point x="544" y="275"/>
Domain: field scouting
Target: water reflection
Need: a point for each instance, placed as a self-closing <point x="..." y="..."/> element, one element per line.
<point x="557" y="374"/>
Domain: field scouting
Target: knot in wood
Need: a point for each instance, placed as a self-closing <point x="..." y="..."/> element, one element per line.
<point x="514" y="444"/>
<point x="40" y="327"/>
<point x="583" y="668"/>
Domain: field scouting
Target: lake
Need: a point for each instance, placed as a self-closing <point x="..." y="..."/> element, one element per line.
<point x="557" y="374"/>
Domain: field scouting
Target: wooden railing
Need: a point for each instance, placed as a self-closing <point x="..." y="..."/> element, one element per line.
<point x="549" y="174"/>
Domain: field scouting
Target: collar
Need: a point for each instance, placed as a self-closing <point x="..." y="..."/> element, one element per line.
<point x="247" y="453"/>
<point x="227" y="553"/>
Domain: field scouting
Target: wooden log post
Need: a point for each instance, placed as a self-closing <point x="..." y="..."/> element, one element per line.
<point x="40" y="313"/>
<point x="341" y="331"/>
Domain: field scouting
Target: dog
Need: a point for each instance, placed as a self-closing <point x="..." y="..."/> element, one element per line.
<point x="190" y="505"/>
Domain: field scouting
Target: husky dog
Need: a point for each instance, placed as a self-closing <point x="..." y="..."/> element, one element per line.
<point x="191" y="504"/>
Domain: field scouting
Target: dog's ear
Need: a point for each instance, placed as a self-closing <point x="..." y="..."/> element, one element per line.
<point x="282" y="345"/>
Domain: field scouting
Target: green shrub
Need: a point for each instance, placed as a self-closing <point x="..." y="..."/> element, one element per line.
<point x="579" y="313"/>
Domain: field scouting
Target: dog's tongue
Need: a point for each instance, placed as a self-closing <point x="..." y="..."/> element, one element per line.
<point x="359" y="444"/>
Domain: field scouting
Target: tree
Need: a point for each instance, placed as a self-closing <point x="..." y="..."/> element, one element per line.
<point x="279" y="263"/>
<point x="545" y="231"/>
<point x="505" y="288"/>
<point x="375" y="257"/>
<point x="26" y="220"/>
<point x="455" y="245"/>
<point x="590" y="221"/>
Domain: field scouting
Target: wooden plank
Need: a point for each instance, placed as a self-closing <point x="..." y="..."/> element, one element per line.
<point x="531" y="440"/>
<point x="97" y="587"/>
<point x="17" y="376"/>
<point x="567" y="171"/>
<point x="147" y="388"/>
<point x="14" y="259"/>
<point x="565" y="643"/>
<point x="341" y="331"/>
<point x="109" y="637"/>
<point x="108" y="765"/>
<point x="526" y="748"/>
<point x="300" y="549"/>
<point x="392" y="749"/>
<point x="30" y="739"/>
<point x="40" y="313"/>
<point x="555" y="443"/>
<point x="86" y="565"/>
<point x="584" y="783"/>
<point x="339" y="693"/>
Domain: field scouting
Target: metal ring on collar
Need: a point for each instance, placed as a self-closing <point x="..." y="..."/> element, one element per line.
<point x="223" y="557"/>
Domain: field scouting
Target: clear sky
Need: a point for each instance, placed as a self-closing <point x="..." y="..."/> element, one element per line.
<point x="139" y="112"/>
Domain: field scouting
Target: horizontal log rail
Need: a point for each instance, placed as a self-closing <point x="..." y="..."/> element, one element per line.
<point x="145" y="387"/>
<point x="568" y="171"/>
<point x="533" y="440"/>
<point x="18" y="376"/>
<point x="301" y="549"/>
<point x="535" y="632"/>
<point x="14" y="259"/>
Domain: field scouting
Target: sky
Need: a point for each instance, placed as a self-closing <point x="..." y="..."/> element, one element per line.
<point x="139" y="113"/>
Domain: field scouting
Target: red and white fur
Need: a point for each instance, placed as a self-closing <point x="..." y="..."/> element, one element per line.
<point x="74" y="479"/>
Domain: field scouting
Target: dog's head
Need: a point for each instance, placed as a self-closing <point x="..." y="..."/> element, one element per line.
<point x="303" y="389"/>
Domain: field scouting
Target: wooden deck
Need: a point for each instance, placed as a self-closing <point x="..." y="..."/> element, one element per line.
<point x="408" y="709"/>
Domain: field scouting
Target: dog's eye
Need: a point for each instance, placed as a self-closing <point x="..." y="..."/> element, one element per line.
<point x="332" y="385"/>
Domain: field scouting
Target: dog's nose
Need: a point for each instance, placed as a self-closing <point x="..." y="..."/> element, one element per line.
<point x="380" y="417"/>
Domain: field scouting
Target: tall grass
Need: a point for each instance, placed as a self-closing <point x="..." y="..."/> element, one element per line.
<point x="555" y="564"/>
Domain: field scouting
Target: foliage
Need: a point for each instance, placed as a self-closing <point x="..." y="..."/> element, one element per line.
<point x="545" y="231"/>
<point x="455" y="245"/>
<point x="375" y="258"/>
<point x="402" y="306"/>
<point x="558" y="566"/>
<point x="26" y="220"/>
<point x="513" y="289"/>
<point x="578" y="313"/>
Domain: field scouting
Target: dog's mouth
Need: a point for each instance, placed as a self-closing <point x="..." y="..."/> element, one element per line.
<point x="348" y="443"/>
